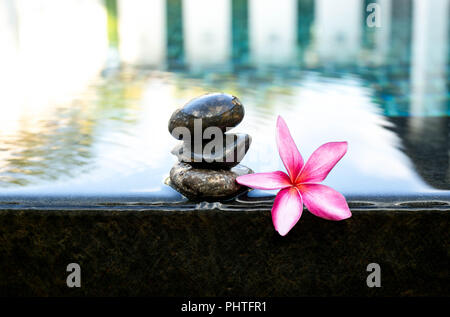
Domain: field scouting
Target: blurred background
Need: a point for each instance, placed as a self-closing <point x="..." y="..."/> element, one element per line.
<point x="87" y="88"/>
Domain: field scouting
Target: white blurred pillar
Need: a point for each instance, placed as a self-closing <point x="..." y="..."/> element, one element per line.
<point x="10" y="80"/>
<point x="338" y="29"/>
<point x="62" y="45"/>
<point x="142" y="32"/>
<point x="207" y="33"/>
<point x="273" y="32"/>
<point x="9" y="30"/>
<point x="429" y="56"/>
<point x="9" y="43"/>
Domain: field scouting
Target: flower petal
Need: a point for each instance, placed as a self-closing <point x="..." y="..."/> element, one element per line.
<point x="273" y="180"/>
<point x="321" y="162"/>
<point x="287" y="210"/>
<point x="288" y="151"/>
<point x="324" y="202"/>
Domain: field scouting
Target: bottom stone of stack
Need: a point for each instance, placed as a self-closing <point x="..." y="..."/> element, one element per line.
<point x="207" y="184"/>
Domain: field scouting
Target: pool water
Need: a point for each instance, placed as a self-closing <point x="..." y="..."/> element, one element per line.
<point x="110" y="140"/>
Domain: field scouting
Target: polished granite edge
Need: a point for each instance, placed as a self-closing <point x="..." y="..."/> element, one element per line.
<point x="222" y="253"/>
<point x="227" y="212"/>
<point x="155" y="209"/>
<point x="242" y="203"/>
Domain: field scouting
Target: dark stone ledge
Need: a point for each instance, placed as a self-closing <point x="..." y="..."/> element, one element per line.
<point x="208" y="252"/>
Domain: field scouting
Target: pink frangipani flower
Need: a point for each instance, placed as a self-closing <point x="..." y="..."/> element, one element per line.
<point x="301" y="184"/>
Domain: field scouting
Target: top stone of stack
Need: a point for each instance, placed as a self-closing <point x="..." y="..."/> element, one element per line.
<point x="216" y="110"/>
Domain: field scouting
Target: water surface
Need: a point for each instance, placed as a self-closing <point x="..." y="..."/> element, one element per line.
<point x="387" y="97"/>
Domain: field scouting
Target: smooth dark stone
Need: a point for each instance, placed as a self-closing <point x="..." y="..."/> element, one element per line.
<point x="229" y="156"/>
<point x="216" y="110"/>
<point x="207" y="184"/>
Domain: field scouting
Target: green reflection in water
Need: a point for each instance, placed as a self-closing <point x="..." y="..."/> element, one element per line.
<point x="368" y="34"/>
<point x="305" y="20"/>
<point x="59" y="145"/>
<point x="60" y="142"/>
<point x="174" y="27"/>
<point x="112" y="20"/>
<point x="239" y="31"/>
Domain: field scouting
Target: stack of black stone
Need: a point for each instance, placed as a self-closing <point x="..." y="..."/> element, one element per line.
<point x="204" y="170"/>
